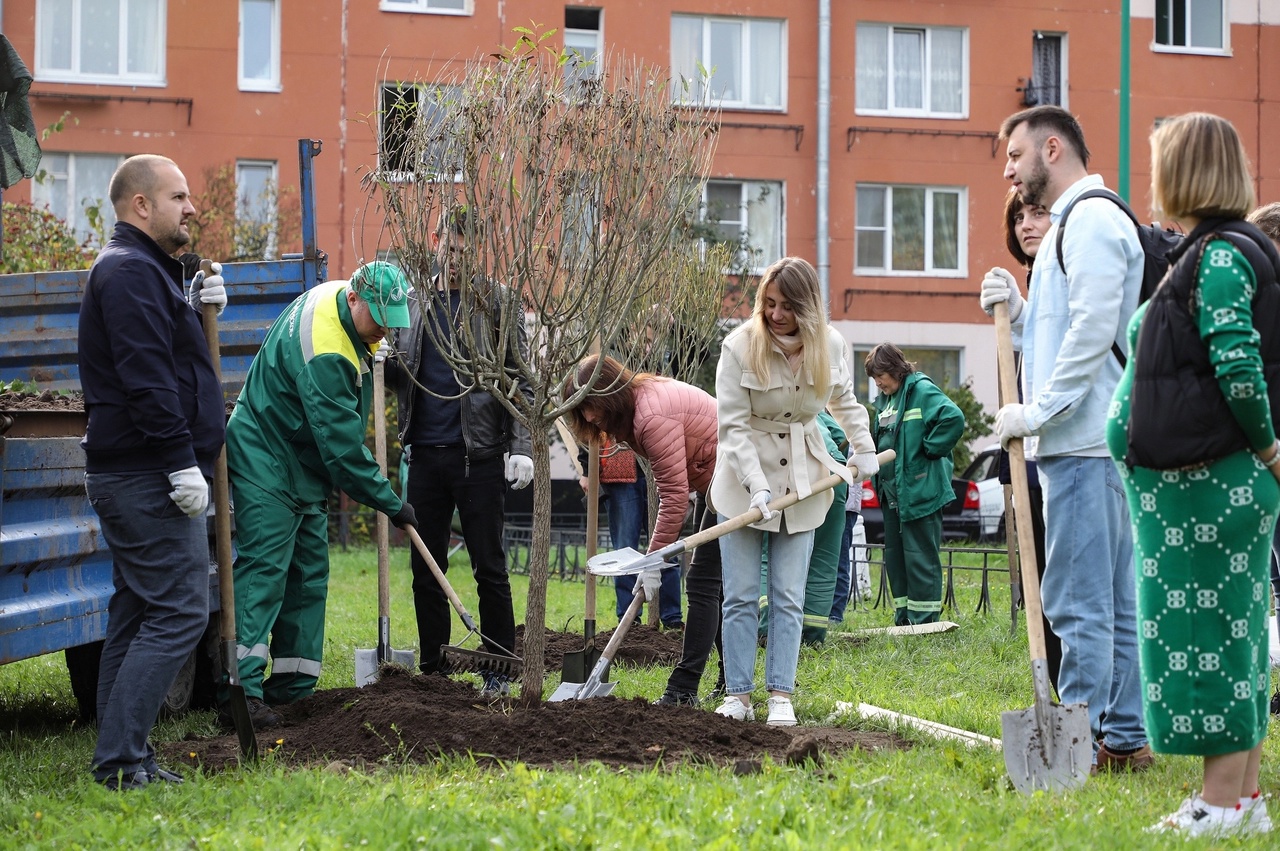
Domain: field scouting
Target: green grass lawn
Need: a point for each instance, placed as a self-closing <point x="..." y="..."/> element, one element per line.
<point x="935" y="795"/>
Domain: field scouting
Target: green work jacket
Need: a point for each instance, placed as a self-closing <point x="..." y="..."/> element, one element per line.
<point x="919" y="480"/>
<point x="298" y="429"/>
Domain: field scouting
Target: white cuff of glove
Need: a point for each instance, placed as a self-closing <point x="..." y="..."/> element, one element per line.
<point x="865" y="463"/>
<point x="190" y="491"/>
<point x="519" y="471"/>
<point x="648" y="582"/>
<point x="209" y="289"/>
<point x="998" y="286"/>
<point x="760" y="499"/>
<point x="384" y="351"/>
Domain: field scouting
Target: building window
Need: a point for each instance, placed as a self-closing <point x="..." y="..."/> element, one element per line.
<point x="257" y="202"/>
<point x="941" y="365"/>
<point x="583" y="46"/>
<point x="1048" y="71"/>
<point x="260" y="45"/>
<point x="100" y="41"/>
<point x="1191" y="25"/>
<point x="412" y="118"/>
<point x="910" y="230"/>
<point x="746" y="214"/>
<point x="918" y="71"/>
<point x="434" y="7"/>
<point x="736" y="63"/>
<point x="74" y="188"/>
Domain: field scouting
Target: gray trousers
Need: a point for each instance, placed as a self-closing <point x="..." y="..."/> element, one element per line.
<point x="160" y="569"/>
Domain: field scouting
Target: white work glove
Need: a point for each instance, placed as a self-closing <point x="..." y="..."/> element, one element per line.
<point x="1011" y="422"/>
<point x="998" y="286"/>
<point x="208" y="290"/>
<point x="519" y="471"/>
<point x="760" y="499"/>
<point x="648" y="582"/>
<point x="190" y="491"/>
<point x="385" y="350"/>
<point x="865" y="463"/>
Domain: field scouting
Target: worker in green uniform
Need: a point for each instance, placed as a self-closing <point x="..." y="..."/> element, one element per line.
<point x="297" y="433"/>
<point x="921" y="423"/>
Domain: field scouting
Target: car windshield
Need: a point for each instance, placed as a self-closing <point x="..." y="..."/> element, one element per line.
<point x="983" y="467"/>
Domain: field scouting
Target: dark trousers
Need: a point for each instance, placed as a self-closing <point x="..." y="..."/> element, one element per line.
<point x="157" y="613"/>
<point x="441" y="480"/>
<point x="705" y="592"/>
<point x="627" y="504"/>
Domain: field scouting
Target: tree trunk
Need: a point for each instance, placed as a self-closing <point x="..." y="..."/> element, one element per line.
<point x="535" y="617"/>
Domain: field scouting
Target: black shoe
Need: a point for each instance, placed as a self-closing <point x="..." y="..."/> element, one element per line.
<point x="676" y="626"/>
<point x="677" y="698"/>
<point x="156" y="774"/>
<point x="1275" y="703"/>
<point x="262" y="715"/>
<point x="119" y="782"/>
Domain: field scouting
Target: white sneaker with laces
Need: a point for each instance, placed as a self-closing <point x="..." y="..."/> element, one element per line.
<point x="1254" y="817"/>
<point x="737" y="709"/>
<point x="781" y="712"/>
<point x="1197" y="818"/>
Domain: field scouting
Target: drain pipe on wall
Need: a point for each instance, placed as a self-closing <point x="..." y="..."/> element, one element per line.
<point x="824" y="151"/>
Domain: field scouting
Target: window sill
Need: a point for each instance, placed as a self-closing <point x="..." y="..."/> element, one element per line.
<point x="1191" y="51"/>
<point x="895" y="113"/>
<point x="400" y="7"/>
<point x="99" y="80"/>
<point x="772" y="110"/>
<point x="265" y="88"/>
<point x="946" y="274"/>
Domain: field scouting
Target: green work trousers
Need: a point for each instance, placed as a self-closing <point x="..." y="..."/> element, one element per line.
<point x="820" y="585"/>
<point x="281" y="586"/>
<point x="913" y="566"/>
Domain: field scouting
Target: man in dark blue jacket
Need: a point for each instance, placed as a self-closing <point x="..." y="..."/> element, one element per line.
<point x="156" y="425"/>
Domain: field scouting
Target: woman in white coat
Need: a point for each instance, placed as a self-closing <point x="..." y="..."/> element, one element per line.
<point x="777" y="372"/>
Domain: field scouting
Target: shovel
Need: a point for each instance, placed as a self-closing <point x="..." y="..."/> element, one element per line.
<point x="369" y="661"/>
<point x="627" y="561"/>
<point x="578" y="663"/>
<point x="1049" y="746"/>
<point x="238" y="702"/>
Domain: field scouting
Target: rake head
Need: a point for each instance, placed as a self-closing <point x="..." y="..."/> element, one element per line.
<point x="457" y="660"/>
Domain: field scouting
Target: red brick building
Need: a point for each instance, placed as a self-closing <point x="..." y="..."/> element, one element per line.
<point x="899" y="114"/>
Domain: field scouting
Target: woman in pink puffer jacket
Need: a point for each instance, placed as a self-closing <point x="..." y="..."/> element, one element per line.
<point x="672" y="425"/>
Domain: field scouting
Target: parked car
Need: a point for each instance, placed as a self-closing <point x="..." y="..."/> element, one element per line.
<point x="985" y="471"/>
<point x="961" y="520"/>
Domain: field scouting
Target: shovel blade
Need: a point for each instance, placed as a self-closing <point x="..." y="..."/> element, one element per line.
<point x="578" y="664"/>
<point x="1050" y="759"/>
<point x="623" y="562"/>
<point x="580" y="691"/>
<point x="367" y="664"/>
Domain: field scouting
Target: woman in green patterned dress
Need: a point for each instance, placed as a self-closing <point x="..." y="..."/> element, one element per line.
<point x="1195" y="463"/>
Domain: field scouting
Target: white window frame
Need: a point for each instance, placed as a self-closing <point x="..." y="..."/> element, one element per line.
<point x="272" y="214"/>
<point x="1223" y="50"/>
<point x="1063" y="62"/>
<point x="925" y="111"/>
<point x="679" y="91"/>
<point x="574" y="39"/>
<point x="272" y="82"/>
<point x="76" y="218"/>
<point x="421" y="89"/>
<point x="748" y="191"/>
<point x="929" y="271"/>
<point x="47" y="73"/>
<point x="425" y="7"/>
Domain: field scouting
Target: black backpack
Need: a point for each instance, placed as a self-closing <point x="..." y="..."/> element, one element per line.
<point x="1156" y="243"/>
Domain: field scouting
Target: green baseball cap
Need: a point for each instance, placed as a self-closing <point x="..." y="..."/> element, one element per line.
<point x="386" y="290"/>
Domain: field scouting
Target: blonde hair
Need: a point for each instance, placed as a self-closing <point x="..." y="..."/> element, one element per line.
<point x="1267" y="220"/>
<point x="1199" y="168"/>
<point x="797" y="282"/>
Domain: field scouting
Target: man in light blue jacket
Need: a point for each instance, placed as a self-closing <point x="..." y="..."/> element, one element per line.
<point x="1066" y="329"/>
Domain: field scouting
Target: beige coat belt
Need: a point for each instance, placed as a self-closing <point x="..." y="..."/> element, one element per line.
<point x="803" y="444"/>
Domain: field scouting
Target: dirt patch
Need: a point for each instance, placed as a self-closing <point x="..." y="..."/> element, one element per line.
<point x="643" y="645"/>
<point x="417" y="718"/>
<point x="44" y="401"/>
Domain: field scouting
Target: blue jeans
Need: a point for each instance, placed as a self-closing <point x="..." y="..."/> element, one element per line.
<point x="844" y="569"/>
<point x="628" y="507"/>
<point x="1090" y="594"/>
<point x="742" y="553"/>
<point x="157" y="613"/>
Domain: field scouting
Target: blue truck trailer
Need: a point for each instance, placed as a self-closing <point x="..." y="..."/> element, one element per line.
<point x="55" y="568"/>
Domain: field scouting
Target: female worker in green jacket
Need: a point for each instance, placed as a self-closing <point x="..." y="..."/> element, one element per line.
<point x="919" y="422"/>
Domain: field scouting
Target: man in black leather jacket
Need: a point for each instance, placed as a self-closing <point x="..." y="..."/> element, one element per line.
<point x="456" y="439"/>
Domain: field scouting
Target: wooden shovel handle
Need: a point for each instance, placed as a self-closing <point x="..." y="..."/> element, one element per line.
<point x="381" y="523"/>
<point x="221" y="489"/>
<point x="1021" y="490"/>
<point x="697" y="539"/>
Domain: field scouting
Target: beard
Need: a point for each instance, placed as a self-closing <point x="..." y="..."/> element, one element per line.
<point x="172" y="240"/>
<point x="1033" y="188"/>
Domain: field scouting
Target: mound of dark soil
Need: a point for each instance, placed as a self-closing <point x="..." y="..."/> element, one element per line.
<point x="44" y="401"/>
<point x="643" y="645"/>
<point x="417" y="718"/>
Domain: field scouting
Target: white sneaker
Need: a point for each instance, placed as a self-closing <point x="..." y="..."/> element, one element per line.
<point x="781" y="712"/>
<point x="1197" y="818"/>
<point x="738" y="710"/>
<point x="1253" y="816"/>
